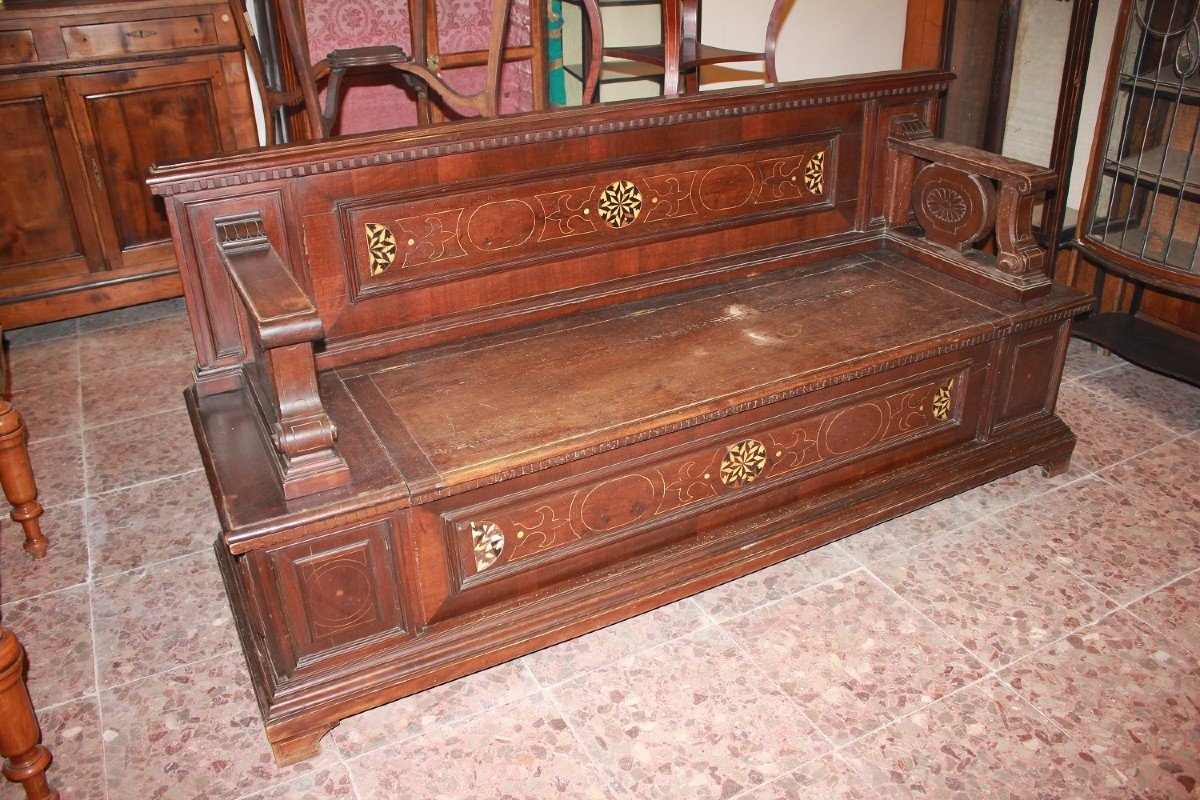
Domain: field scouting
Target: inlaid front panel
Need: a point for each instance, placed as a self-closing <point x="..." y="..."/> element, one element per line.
<point x="338" y="588"/>
<point x="488" y="541"/>
<point x="399" y="243"/>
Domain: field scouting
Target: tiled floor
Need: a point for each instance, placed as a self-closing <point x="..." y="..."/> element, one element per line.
<point x="1030" y="639"/>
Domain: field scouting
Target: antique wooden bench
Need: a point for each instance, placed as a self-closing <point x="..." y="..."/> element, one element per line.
<point x="468" y="392"/>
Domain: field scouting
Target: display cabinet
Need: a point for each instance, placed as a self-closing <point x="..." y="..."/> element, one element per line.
<point x="1141" y="209"/>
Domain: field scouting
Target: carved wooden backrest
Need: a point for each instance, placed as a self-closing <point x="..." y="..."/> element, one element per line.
<point x="410" y="239"/>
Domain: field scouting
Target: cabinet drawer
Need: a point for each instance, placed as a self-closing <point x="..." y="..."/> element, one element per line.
<point x="139" y="36"/>
<point x="17" y="47"/>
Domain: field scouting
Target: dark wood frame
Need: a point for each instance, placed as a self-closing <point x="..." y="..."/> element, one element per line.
<point x="293" y="342"/>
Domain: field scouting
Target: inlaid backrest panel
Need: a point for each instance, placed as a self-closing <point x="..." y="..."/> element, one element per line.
<point x="418" y="238"/>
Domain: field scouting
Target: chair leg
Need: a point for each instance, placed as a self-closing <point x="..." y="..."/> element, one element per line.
<point x="16" y="478"/>
<point x="25" y="758"/>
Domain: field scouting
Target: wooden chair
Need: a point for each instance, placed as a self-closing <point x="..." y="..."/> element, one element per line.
<point x="421" y="69"/>
<point x="681" y="54"/>
<point x="25" y="758"/>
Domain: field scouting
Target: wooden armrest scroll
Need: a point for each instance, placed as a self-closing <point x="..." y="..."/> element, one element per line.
<point x="284" y="325"/>
<point x="954" y="198"/>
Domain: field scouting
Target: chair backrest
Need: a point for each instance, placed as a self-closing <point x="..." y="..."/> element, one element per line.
<point x="481" y="80"/>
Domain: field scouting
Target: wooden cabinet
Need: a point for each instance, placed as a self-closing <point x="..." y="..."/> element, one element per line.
<point x="1140" y="218"/>
<point x="45" y="238"/>
<point x="90" y="96"/>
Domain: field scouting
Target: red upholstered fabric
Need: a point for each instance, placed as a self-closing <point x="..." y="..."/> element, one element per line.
<point x="370" y="103"/>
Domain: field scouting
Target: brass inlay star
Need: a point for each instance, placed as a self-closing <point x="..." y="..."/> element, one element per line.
<point x="489" y="544"/>
<point x="381" y="245"/>
<point x="620" y="204"/>
<point x="743" y="462"/>
<point x="942" y="402"/>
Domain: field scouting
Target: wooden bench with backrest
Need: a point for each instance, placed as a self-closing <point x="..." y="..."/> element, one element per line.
<point x="468" y="392"/>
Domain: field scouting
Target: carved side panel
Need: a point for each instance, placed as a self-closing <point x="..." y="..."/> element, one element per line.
<point x="956" y="209"/>
<point x="402" y="242"/>
<point x="338" y="588"/>
<point x="487" y="541"/>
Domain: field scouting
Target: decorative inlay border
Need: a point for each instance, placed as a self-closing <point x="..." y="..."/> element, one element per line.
<point x="405" y="241"/>
<point x="162" y="185"/>
<point x="622" y="501"/>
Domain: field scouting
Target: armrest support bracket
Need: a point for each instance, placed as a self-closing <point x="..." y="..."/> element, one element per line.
<point x="951" y="189"/>
<point x="282" y="377"/>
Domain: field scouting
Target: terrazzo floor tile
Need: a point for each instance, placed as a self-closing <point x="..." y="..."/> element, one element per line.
<point x="557" y="664"/>
<point x="193" y="733"/>
<point x="58" y="469"/>
<point x="328" y="784"/>
<point x="143" y="343"/>
<point x="1170" y="470"/>
<point x="52" y="409"/>
<point x="524" y="751"/>
<point x="1127" y="694"/>
<point x="1123" y="545"/>
<point x="1000" y="598"/>
<point x="160" y="617"/>
<point x="1084" y="358"/>
<point x="150" y="522"/>
<point x="44" y="363"/>
<point x="853" y="655"/>
<point x="1016" y="488"/>
<point x="776" y="582"/>
<point x="125" y="454"/>
<point x="982" y="742"/>
<point x="56" y="630"/>
<point x="144" y="312"/>
<point x="827" y="778"/>
<point x="901" y="533"/>
<point x="1175" y="611"/>
<point x="72" y="732"/>
<point x="408" y="717"/>
<point x="691" y="720"/>
<point x="127" y="393"/>
<point x="1169" y="402"/>
<point x="1108" y="432"/>
<point x="66" y="561"/>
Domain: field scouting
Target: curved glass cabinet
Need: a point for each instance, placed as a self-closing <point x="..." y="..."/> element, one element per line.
<point x="1141" y="208"/>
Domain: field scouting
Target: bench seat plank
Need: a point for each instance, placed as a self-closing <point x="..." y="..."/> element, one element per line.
<point x="559" y="389"/>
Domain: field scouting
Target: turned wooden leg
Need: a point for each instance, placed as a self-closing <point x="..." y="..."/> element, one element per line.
<point x="299" y="747"/>
<point x="25" y="759"/>
<point x="16" y="478"/>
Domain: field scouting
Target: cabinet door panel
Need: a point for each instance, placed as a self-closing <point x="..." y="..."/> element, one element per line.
<point x="40" y="236"/>
<point x="132" y="119"/>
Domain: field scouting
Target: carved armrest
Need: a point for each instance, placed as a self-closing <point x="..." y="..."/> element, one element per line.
<point x="283" y="325"/>
<point x="952" y="191"/>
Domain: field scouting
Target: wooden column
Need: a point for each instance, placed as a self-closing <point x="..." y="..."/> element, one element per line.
<point x="16" y="478"/>
<point x="25" y="759"/>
